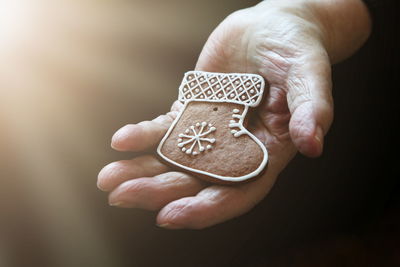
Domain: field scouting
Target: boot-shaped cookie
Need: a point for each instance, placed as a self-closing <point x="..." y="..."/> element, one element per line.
<point x="208" y="138"/>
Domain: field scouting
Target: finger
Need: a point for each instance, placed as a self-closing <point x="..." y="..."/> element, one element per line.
<point x="154" y="193"/>
<point x="118" y="172"/>
<point x="214" y="205"/>
<point x="144" y="135"/>
<point x="310" y="103"/>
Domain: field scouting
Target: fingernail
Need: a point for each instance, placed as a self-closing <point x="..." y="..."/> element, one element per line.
<point x="101" y="188"/>
<point x="168" y="226"/>
<point x="319" y="137"/>
<point x="116" y="204"/>
<point x="116" y="137"/>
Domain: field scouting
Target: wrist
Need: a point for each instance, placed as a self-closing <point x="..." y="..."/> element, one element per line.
<point x="346" y="25"/>
<point x="341" y="26"/>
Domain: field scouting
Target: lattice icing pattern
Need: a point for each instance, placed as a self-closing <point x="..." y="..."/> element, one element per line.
<point x="240" y="88"/>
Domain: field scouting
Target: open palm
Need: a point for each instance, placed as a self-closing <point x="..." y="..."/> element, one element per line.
<point x="283" y="47"/>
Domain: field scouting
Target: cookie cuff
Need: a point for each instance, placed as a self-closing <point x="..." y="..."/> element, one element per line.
<point x="239" y="88"/>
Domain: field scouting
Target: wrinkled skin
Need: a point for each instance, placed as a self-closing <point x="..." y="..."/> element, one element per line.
<point x="286" y="43"/>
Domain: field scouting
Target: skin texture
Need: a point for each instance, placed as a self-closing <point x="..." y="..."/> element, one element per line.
<point x="292" y="44"/>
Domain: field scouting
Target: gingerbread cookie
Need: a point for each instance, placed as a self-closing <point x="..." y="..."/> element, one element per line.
<point x="208" y="138"/>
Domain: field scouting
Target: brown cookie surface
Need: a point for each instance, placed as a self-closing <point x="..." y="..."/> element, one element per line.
<point x="228" y="156"/>
<point x="208" y="137"/>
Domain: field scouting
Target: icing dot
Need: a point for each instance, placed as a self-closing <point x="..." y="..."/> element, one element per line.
<point x="181" y="135"/>
<point x="201" y="96"/>
<point x="213" y="129"/>
<point x="180" y="145"/>
<point x="189" y="96"/>
<point x="188" y="151"/>
<point x="195" y="153"/>
<point x="212" y="80"/>
<point x="180" y="140"/>
<point x="233" y="131"/>
<point x="243" y="97"/>
<point x="203" y="123"/>
<point x="201" y="149"/>
<point x="219" y="95"/>
<point x="192" y="84"/>
<point x="224" y="81"/>
<point x="187" y="131"/>
<point x="185" y="89"/>
<point x="198" y="124"/>
<point x="212" y="141"/>
<point x="258" y="86"/>
<point x="232" y="95"/>
<point x="236" y="110"/>
<point x="210" y="125"/>
<point x="232" y="121"/>
<point x="240" y="89"/>
<point x="183" y="149"/>
<point x="237" y="82"/>
<point x="197" y="90"/>
<point x="228" y="88"/>
<point x="192" y="127"/>
<point x="248" y="84"/>
<point x="201" y="79"/>
<point x="190" y="77"/>
<point x="252" y="91"/>
<point x="253" y="100"/>
<point x="209" y="92"/>
<point x="218" y="86"/>
<point x="245" y="77"/>
<point x="209" y="147"/>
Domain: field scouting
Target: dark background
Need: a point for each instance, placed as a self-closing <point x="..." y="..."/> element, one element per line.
<point x="73" y="73"/>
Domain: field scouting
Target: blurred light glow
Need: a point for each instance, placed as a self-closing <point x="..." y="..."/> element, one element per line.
<point x="14" y="19"/>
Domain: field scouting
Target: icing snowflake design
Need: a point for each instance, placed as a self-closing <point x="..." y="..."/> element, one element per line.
<point x="196" y="135"/>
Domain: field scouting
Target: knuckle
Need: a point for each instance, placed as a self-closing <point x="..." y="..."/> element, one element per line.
<point x="131" y="187"/>
<point x="173" y="178"/>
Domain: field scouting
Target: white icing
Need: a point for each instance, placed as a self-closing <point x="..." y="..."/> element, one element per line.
<point x="238" y="124"/>
<point x="245" y="89"/>
<point x="256" y="172"/>
<point x="196" y="135"/>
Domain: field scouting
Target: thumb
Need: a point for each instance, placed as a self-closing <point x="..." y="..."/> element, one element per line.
<point x="310" y="103"/>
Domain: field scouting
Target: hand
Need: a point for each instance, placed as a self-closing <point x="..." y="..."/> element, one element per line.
<point x="290" y="44"/>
